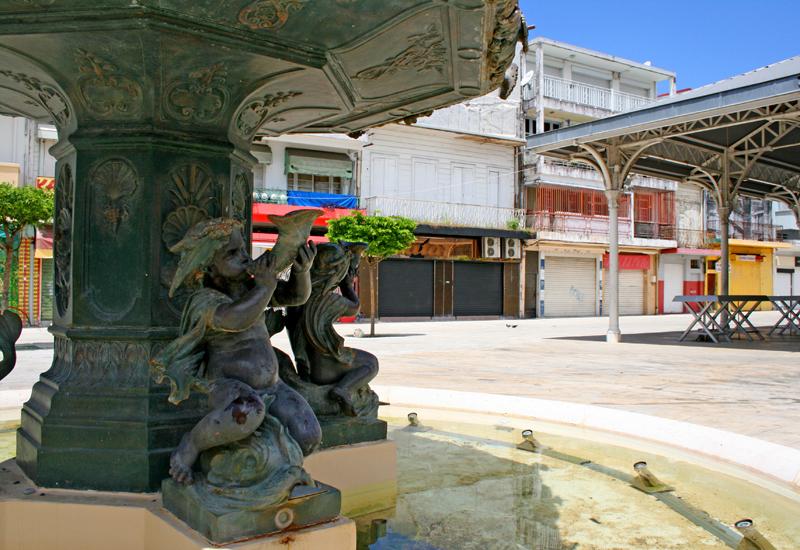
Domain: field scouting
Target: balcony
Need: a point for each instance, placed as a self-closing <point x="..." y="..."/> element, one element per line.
<point x="651" y="230"/>
<point x="577" y="225"/>
<point x="751" y="231"/>
<point x="557" y="170"/>
<point x="483" y="119"/>
<point x="442" y="213"/>
<point x="694" y="238"/>
<point x="586" y="95"/>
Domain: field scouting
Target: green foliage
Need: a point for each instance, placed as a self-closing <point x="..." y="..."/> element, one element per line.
<point x="386" y="235"/>
<point x="13" y="282"/>
<point x="21" y="206"/>
<point x="513" y="224"/>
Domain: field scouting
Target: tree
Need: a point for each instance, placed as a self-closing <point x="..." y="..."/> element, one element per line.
<point x="20" y="206"/>
<point x="385" y="235"/>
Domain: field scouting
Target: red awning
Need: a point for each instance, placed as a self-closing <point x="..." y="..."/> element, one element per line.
<point x="272" y="238"/>
<point x="262" y="211"/>
<point x="692" y="251"/>
<point x="629" y="261"/>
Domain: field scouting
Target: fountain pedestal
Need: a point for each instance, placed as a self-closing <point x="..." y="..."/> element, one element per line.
<point x="34" y="517"/>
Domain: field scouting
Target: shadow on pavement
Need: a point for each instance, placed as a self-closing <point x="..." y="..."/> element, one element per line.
<point x="774" y="343"/>
<point x="34" y="346"/>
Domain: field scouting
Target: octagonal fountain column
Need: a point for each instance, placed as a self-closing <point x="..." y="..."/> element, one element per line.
<point x="126" y="190"/>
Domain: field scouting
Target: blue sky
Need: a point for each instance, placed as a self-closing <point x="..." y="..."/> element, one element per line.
<point x="701" y="40"/>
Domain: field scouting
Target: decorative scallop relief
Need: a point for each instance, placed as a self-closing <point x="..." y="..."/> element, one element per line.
<point x="115" y="182"/>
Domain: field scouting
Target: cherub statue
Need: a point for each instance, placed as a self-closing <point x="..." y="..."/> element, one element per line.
<point x="224" y="348"/>
<point x="332" y="377"/>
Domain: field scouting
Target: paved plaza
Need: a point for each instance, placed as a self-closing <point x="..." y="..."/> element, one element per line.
<point x="746" y="387"/>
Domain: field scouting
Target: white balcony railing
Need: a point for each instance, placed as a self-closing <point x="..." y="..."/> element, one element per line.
<point x="586" y="94"/>
<point x="442" y="213"/>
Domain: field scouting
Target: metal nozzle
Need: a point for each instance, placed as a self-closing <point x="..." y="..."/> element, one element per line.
<point x="529" y="443"/>
<point x="646" y="481"/>
<point x="377" y="530"/>
<point x="752" y="538"/>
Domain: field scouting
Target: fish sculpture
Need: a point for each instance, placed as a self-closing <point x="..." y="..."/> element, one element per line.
<point x="293" y="231"/>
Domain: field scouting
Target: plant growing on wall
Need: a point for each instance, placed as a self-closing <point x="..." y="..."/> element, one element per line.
<point x="385" y="235"/>
<point x="20" y="206"/>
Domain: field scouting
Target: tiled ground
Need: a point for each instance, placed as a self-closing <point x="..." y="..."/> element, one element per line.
<point x="744" y="387"/>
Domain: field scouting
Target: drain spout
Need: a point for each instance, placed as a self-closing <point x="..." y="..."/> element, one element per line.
<point x="647" y="481"/>
<point x="529" y="443"/>
<point x="752" y="538"/>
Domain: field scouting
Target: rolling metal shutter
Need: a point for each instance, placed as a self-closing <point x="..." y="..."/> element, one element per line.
<point x="631" y="292"/>
<point x="478" y="288"/>
<point x="47" y="290"/>
<point x="570" y="287"/>
<point x="405" y="288"/>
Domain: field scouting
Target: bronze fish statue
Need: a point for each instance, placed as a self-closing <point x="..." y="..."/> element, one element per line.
<point x="294" y="229"/>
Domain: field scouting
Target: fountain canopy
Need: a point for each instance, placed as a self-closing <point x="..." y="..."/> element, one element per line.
<point x="237" y="66"/>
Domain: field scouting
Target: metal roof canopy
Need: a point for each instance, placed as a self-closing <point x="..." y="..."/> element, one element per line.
<point x="739" y="136"/>
<point x="752" y="121"/>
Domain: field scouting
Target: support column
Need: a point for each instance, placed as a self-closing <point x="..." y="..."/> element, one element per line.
<point x="539" y="89"/>
<point x="612" y="285"/>
<point x="725" y="264"/>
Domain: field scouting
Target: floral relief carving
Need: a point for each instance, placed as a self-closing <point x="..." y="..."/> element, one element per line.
<point x="509" y="28"/>
<point x="269" y="14"/>
<point x="254" y="113"/>
<point x="105" y="90"/>
<point x="115" y="181"/>
<point x="62" y="233"/>
<point x="199" y="98"/>
<point x="90" y="364"/>
<point x="239" y="193"/>
<point x="47" y="97"/>
<point x="425" y="51"/>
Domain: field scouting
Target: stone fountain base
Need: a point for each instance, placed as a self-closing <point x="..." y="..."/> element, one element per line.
<point x="36" y="517"/>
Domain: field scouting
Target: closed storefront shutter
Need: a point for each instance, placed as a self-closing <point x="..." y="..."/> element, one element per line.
<point x="570" y="287"/>
<point x="783" y="283"/>
<point x="631" y="292"/>
<point x="47" y="290"/>
<point x="405" y="288"/>
<point x="478" y="289"/>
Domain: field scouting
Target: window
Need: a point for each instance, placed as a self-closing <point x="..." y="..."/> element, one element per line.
<point x="530" y="126"/>
<point x="319" y="184"/>
<point x="694" y="264"/>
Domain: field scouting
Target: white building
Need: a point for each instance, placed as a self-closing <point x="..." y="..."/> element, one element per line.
<point x="455" y="173"/>
<point x="566" y="206"/>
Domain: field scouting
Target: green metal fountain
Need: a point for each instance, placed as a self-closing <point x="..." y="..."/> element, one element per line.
<point x="156" y="104"/>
